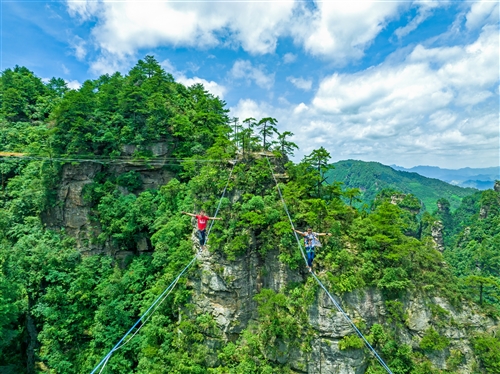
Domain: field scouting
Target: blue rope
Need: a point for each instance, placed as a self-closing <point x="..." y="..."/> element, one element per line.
<point x="286" y="211"/>
<point x="106" y="358"/>
<point x="337" y="305"/>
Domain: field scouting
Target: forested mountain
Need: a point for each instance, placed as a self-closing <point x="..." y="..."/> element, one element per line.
<point x="480" y="178"/>
<point x="92" y="231"/>
<point x="372" y="177"/>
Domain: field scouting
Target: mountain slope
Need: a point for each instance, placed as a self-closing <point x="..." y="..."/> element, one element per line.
<point x="372" y="177"/>
<point x="480" y="178"/>
<point x="87" y="245"/>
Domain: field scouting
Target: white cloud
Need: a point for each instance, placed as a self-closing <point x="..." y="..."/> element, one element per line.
<point x="79" y="47"/>
<point x="340" y="31"/>
<point x="424" y="11"/>
<point x="180" y="76"/>
<point x="422" y="107"/>
<point x="300" y="108"/>
<point x="303" y="84"/>
<point x="288" y="58"/>
<point x="65" y="69"/>
<point x="211" y="86"/>
<point x="86" y="10"/>
<point x="416" y="85"/>
<point x="108" y="63"/>
<point x="437" y="106"/>
<point x="74" y="84"/>
<point x="247" y="108"/>
<point x="168" y="67"/>
<point x="125" y="27"/>
<point x="243" y="69"/>
<point x="333" y="30"/>
<point x="481" y="13"/>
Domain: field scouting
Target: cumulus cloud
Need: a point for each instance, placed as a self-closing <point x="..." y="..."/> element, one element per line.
<point x="424" y="104"/>
<point x="74" y="84"/>
<point x="429" y="78"/>
<point x="333" y="30"/>
<point x="243" y="69"/>
<point x="80" y="47"/>
<point x="436" y="106"/>
<point x="339" y="31"/>
<point x="300" y="108"/>
<point x="211" y="86"/>
<point x="180" y="76"/>
<point x="247" y="108"/>
<point x="303" y="84"/>
<point x="481" y="13"/>
<point x="288" y="58"/>
<point x="125" y="27"/>
<point x="107" y="63"/>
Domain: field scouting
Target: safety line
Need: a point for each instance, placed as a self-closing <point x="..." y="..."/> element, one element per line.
<point x="104" y="160"/>
<point x="220" y="201"/>
<point x="107" y="357"/>
<point x="286" y="211"/>
<point x="162" y="296"/>
<point x="149" y="316"/>
<point x="337" y="305"/>
<point x="339" y="308"/>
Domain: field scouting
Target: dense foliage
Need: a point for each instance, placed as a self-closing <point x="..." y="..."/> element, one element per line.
<point x="61" y="310"/>
<point x="372" y="177"/>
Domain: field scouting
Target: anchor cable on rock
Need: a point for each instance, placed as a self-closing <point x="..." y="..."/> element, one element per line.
<point x="335" y="303"/>
<point x="154" y="306"/>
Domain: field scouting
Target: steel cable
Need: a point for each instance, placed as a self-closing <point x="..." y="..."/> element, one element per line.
<point x="337" y="305"/>
<point x="162" y="296"/>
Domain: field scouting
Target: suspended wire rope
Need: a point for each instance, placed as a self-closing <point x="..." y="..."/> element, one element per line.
<point x="106" y="358"/>
<point x="158" y="161"/>
<point x="162" y="297"/>
<point x="154" y="306"/>
<point x="335" y="303"/>
<point x="172" y="286"/>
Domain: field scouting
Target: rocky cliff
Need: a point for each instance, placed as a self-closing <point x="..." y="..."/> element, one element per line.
<point x="227" y="289"/>
<point x="74" y="215"/>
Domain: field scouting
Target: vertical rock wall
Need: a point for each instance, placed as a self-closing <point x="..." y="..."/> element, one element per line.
<point x="72" y="213"/>
<point x="226" y="289"/>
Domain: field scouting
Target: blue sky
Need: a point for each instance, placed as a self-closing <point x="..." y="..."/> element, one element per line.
<point x="407" y="83"/>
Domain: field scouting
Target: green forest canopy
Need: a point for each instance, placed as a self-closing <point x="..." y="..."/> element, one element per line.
<point x="60" y="311"/>
<point x="373" y="177"/>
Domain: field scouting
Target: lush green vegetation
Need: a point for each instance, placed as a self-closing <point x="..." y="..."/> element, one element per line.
<point x="372" y="177"/>
<point x="60" y="311"/>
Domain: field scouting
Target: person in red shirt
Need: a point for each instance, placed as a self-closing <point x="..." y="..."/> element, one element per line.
<point x="202" y="220"/>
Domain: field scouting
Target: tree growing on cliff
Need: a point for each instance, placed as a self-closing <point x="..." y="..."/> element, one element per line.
<point x="318" y="160"/>
<point x="65" y="311"/>
<point x="284" y="146"/>
<point x="267" y="127"/>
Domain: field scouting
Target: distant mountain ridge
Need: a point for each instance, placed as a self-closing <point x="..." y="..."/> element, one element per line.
<point x="373" y="177"/>
<point x="480" y="178"/>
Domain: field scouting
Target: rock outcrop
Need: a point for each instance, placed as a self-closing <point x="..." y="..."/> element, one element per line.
<point x="226" y="289"/>
<point x="437" y="235"/>
<point x="72" y="213"/>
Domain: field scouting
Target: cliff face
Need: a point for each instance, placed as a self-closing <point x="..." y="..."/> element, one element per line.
<point x="74" y="215"/>
<point x="226" y="290"/>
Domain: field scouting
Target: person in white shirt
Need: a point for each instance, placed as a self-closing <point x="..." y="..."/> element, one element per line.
<point x="311" y="241"/>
